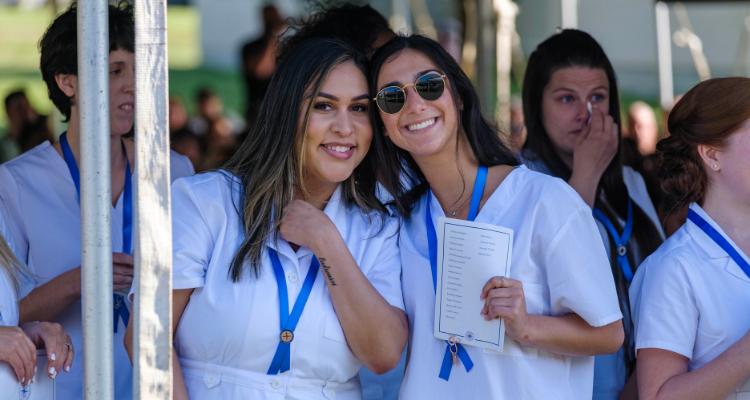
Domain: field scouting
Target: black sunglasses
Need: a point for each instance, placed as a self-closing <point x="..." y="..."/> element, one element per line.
<point x="430" y="87"/>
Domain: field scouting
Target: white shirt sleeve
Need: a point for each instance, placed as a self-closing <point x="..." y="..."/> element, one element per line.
<point x="385" y="274"/>
<point x="192" y="243"/>
<point x="665" y="314"/>
<point x="180" y="166"/>
<point x="578" y="272"/>
<point x="12" y="229"/>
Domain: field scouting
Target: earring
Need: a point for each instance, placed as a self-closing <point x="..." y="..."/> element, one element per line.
<point x="716" y="166"/>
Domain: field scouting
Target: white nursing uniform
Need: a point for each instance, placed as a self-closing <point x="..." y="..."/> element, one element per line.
<point x="229" y="331"/>
<point x="691" y="298"/>
<point x="559" y="258"/>
<point x="44" y="216"/>
<point x="610" y="372"/>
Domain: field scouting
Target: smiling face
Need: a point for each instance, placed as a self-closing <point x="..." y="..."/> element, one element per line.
<point x="564" y="104"/>
<point x="121" y="91"/>
<point x="338" y="131"/>
<point x="422" y="127"/>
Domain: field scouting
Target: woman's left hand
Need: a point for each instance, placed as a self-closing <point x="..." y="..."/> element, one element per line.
<point x="503" y="298"/>
<point x="305" y="225"/>
<point x="51" y="336"/>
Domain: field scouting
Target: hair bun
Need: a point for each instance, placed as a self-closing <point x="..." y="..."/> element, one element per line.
<point x="682" y="176"/>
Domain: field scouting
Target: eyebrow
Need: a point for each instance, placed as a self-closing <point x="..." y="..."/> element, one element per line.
<point x="571" y="90"/>
<point x="334" y="98"/>
<point x="416" y="76"/>
<point x="117" y="63"/>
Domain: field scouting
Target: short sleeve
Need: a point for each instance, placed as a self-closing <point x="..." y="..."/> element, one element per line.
<point x="13" y="227"/>
<point x="192" y="243"/>
<point x="180" y="166"/>
<point x="665" y="313"/>
<point x="578" y="272"/>
<point x="385" y="274"/>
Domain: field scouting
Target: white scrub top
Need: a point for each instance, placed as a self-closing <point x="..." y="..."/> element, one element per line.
<point x="691" y="298"/>
<point x="559" y="258"/>
<point x="44" y="215"/>
<point x="229" y="331"/>
<point x="610" y="372"/>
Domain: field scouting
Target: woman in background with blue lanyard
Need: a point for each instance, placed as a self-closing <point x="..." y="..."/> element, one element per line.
<point x="572" y="113"/>
<point x="41" y="190"/>
<point x="286" y="265"/>
<point x="18" y="344"/>
<point x="691" y="298"/>
<point x="559" y="299"/>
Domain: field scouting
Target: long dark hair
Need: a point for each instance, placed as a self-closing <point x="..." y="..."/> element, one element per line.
<point x="483" y="137"/>
<point x="269" y="163"/>
<point x="576" y="48"/>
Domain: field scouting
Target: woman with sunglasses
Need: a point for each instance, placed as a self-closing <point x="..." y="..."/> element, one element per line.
<point x="558" y="303"/>
<point x="286" y="265"/>
<point x="572" y="112"/>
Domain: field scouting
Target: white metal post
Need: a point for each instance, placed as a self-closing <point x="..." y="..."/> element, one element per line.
<point x="507" y="11"/>
<point x="96" y="230"/>
<point x="664" y="48"/>
<point x="569" y="14"/>
<point x="401" y="16"/>
<point x="152" y="371"/>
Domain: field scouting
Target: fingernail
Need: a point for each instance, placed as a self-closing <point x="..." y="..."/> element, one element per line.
<point x="52" y="370"/>
<point x="67" y="368"/>
<point x="23" y="379"/>
<point x="52" y="357"/>
<point x="34" y="370"/>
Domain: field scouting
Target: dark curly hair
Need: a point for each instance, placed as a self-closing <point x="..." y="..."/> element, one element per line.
<point x="356" y="25"/>
<point x="59" y="47"/>
<point x="706" y="115"/>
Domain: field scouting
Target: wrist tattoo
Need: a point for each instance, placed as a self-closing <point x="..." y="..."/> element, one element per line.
<point x="327" y="271"/>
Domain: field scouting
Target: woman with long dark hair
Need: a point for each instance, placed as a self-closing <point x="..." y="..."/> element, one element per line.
<point x="296" y="203"/>
<point x="691" y="298"/>
<point x="558" y="301"/>
<point x="572" y="112"/>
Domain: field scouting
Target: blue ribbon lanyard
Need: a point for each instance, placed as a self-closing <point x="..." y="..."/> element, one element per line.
<point x="281" y="359"/>
<point x="476" y="198"/>
<point x="720" y="240"/>
<point x="127" y="215"/>
<point x="621" y="241"/>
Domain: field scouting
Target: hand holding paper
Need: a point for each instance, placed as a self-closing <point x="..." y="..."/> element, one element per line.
<point x="503" y="298"/>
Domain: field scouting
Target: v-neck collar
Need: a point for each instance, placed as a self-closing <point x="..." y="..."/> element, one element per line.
<point x="712" y="249"/>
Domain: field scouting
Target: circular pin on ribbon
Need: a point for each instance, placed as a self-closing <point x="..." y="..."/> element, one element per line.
<point x="286" y="336"/>
<point x="621" y="250"/>
<point x="470" y="336"/>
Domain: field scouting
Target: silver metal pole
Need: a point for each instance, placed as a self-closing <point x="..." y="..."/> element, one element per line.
<point x="96" y="240"/>
<point x="664" y="48"/>
<point x="569" y="14"/>
<point x="401" y="16"/>
<point x="152" y="371"/>
<point x="506" y="11"/>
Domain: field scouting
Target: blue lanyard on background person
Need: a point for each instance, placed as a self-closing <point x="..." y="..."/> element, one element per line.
<point x="120" y="309"/>
<point x="620" y="240"/>
<point x="720" y="240"/>
<point x="281" y="360"/>
<point x="476" y="198"/>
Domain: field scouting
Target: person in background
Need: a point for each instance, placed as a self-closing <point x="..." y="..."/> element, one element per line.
<point x="18" y="344"/>
<point x="567" y="74"/>
<point x="450" y="37"/>
<point x="691" y="298"/>
<point x="41" y="193"/>
<point x="359" y="26"/>
<point x="19" y="113"/>
<point x="517" y="125"/>
<point x="642" y="127"/>
<point x="259" y="61"/>
<point x="182" y="140"/>
<point x="211" y="109"/>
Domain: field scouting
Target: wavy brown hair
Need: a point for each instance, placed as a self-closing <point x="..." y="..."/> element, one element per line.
<point x="706" y="115"/>
<point x="270" y="162"/>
